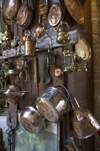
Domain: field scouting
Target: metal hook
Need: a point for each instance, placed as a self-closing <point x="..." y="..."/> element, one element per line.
<point x="50" y="39"/>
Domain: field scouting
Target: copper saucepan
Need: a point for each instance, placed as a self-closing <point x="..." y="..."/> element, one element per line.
<point x="31" y="120"/>
<point x="10" y="9"/>
<point x="52" y="104"/>
<point x="24" y="16"/>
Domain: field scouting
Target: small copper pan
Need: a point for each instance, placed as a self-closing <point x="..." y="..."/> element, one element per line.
<point x="24" y="16"/>
<point x="55" y="15"/>
<point x="75" y="9"/>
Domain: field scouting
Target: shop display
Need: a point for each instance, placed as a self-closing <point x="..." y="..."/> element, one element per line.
<point x="21" y="68"/>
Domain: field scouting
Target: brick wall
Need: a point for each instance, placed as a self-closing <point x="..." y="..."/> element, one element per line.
<point x="95" y="12"/>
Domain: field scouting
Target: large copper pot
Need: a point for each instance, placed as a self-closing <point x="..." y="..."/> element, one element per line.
<point x="52" y="104"/>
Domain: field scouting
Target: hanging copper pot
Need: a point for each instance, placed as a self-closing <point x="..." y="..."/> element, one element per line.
<point x="31" y="120"/>
<point x="52" y="104"/>
<point x="62" y="33"/>
<point x="24" y="16"/>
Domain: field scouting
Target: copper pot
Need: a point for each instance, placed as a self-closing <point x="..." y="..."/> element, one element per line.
<point x="24" y="16"/>
<point x="31" y="120"/>
<point x="52" y="104"/>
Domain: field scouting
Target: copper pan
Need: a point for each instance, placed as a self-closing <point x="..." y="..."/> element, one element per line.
<point x="24" y="16"/>
<point x="10" y="9"/>
<point x="75" y="9"/>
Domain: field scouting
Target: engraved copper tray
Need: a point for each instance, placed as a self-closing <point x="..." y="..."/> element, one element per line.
<point x="75" y="9"/>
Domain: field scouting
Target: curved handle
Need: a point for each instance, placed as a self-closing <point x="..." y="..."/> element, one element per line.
<point x="63" y="23"/>
<point x="59" y="85"/>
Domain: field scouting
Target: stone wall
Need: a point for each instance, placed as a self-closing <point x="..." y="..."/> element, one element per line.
<point x="95" y="12"/>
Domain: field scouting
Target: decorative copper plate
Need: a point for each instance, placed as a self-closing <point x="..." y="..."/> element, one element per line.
<point x="75" y="9"/>
<point x="55" y="15"/>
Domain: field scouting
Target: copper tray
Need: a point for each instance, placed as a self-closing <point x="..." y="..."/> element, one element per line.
<point x="55" y="15"/>
<point x="75" y="9"/>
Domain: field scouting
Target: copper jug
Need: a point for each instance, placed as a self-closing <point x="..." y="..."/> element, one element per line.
<point x="62" y="33"/>
<point x="84" y="123"/>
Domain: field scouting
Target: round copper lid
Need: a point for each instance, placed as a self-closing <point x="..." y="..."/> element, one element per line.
<point x="75" y="9"/>
<point x="55" y="15"/>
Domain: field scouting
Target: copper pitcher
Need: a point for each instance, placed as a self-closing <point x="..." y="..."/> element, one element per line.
<point x="84" y="123"/>
<point x="62" y="33"/>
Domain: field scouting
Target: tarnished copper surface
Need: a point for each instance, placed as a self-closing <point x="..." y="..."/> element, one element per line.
<point x="84" y="123"/>
<point x="55" y="15"/>
<point x="31" y="120"/>
<point x="29" y="48"/>
<point x="43" y="7"/>
<point x="52" y="104"/>
<point x="40" y="30"/>
<point x="75" y="9"/>
<point x="10" y="9"/>
<point x="24" y="16"/>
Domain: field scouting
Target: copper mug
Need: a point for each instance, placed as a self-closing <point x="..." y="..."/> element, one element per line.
<point x="29" y="47"/>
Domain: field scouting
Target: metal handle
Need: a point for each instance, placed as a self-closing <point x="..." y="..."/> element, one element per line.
<point x="59" y="85"/>
<point x="63" y="23"/>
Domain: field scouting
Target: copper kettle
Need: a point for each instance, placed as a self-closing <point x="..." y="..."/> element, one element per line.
<point x="62" y="33"/>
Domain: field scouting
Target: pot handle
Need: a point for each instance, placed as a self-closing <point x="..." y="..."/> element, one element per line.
<point x="63" y="23"/>
<point x="59" y="85"/>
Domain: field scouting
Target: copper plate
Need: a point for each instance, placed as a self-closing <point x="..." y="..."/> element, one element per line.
<point x="75" y="9"/>
<point x="10" y="8"/>
<point x="55" y="15"/>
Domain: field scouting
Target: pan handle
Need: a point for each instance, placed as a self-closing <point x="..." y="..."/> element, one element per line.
<point x="59" y="85"/>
